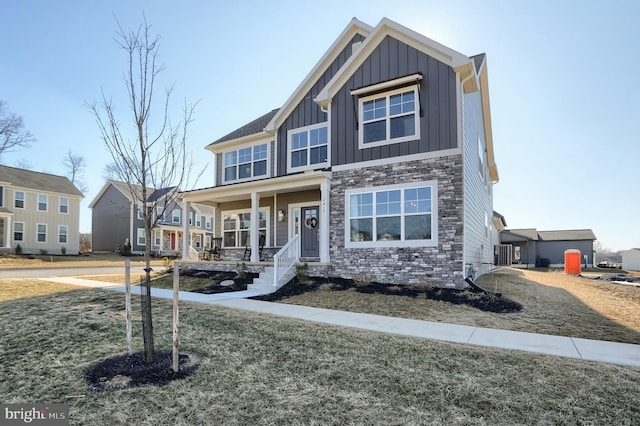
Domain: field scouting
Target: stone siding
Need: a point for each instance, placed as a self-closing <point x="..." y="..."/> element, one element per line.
<point x="437" y="266"/>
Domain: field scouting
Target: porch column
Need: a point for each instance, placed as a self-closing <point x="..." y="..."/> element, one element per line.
<point x="7" y="232"/>
<point x="255" y="221"/>
<point x="185" y="230"/>
<point x="324" y="222"/>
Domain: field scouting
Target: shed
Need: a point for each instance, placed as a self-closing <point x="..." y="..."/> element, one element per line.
<point x="631" y="259"/>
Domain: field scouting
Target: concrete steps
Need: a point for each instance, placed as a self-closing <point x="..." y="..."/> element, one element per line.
<point x="264" y="283"/>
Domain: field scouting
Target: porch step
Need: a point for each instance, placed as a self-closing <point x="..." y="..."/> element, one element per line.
<point x="265" y="281"/>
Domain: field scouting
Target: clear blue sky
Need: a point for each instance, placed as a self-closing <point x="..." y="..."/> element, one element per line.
<point x="562" y="75"/>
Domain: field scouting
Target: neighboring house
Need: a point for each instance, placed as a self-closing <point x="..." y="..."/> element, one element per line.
<point x="379" y="165"/>
<point x="532" y="248"/>
<point x="117" y="218"/>
<point x="631" y="259"/>
<point x="38" y="211"/>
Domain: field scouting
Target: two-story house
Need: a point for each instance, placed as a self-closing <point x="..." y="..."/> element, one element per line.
<point x="117" y="218"/>
<point x="39" y="212"/>
<point x="380" y="164"/>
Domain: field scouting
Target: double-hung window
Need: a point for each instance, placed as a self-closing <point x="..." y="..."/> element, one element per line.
<point x="389" y="117"/>
<point x="397" y="215"/>
<point x="245" y="163"/>
<point x="308" y="147"/>
<point x="237" y="225"/>
<point x="18" y="203"/>
<point x="63" y="234"/>
<point x="142" y="237"/>
<point x="175" y="216"/>
<point x="64" y="205"/>
<point x="43" y="200"/>
<point x="41" y="232"/>
<point x="18" y="231"/>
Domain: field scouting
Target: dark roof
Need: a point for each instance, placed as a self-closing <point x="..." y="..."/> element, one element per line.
<point x="478" y="60"/>
<point x="159" y="193"/>
<point x="566" y="235"/>
<point x="252" y="128"/>
<point x="38" y="181"/>
<point x="569" y="235"/>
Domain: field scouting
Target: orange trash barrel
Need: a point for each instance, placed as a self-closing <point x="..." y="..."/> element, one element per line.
<point x="572" y="262"/>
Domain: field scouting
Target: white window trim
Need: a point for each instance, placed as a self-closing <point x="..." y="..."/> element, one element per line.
<point x="60" y="205"/>
<point x="156" y="235"/>
<point x="143" y="236"/>
<point x="252" y="177"/>
<point x="46" y="203"/>
<point x="46" y="232"/>
<point x="207" y="222"/>
<point x="308" y="166"/>
<point x="13" y="231"/>
<point x="433" y="242"/>
<point x="244" y="211"/>
<point x="24" y="200"/>
<point x="60" y="227"/>
<point x="173" y="216"/>
<point x="387" y="95"/>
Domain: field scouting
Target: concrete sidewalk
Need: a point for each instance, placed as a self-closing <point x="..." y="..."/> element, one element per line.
<point x="570" y="347"/>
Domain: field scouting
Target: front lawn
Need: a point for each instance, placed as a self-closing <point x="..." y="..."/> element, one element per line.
<point x="261" y="369"/>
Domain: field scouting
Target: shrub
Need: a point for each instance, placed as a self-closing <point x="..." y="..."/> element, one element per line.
<point x="242" y="270"/>
<point x="18" y="249"/>
<point x="63" y="250"/>
<point x="43" y="251"/>
<point x="363" y="280"/>
<point x="126" y="249"/>
<point x="302" y="272"/>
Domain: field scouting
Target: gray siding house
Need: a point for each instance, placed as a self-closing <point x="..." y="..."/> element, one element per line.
<point x="39" y="212"/>
<point x="532" y="248"/>
<point x="379" y="165"/>
<point x="117" y="218"/>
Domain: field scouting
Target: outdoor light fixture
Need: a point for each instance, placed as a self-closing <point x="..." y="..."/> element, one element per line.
<point x="280" y="215"/>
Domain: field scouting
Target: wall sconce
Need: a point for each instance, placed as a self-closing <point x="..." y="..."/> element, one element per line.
<point x="280" y="215"/>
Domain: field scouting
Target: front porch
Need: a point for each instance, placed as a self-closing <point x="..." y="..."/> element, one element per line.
<point x="254" y="220"/>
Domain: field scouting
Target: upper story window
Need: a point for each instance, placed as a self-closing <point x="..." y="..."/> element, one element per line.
<point x="392" y="216"/>
<point x="199" y="221"/>
<point x="389" y="117"/>
<point x="18" y="202"/>
<point x="308" y="147"/>
<point x="207" y="222"/>
<point x="245" y="163"/>
<point x="175" y="216"/>
<point x="160" y="213"/>
<point x="43" y="201"/>
<point x="64" y="205"/>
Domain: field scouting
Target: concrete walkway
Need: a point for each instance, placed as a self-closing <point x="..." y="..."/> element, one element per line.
<point x="570" y="347"/>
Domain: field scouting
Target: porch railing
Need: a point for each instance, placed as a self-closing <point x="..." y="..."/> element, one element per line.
<point x="193" y="254"/>
<point x="285" y="259"/>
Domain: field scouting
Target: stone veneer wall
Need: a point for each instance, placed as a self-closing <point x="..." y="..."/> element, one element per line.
<point x="436" y="266"/>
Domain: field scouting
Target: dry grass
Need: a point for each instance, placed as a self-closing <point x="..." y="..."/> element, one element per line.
<point x="553" y="303"/>
<point x="260" y="369"/>
<point x="50" y="261"/>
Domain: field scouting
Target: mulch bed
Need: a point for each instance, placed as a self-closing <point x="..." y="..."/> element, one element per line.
<point x="468" y="296"/>
<point x="212" y="280"/>
<point x="123" y="372"/>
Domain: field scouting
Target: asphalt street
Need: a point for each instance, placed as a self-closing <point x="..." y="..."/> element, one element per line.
<point x="65" y="272"/>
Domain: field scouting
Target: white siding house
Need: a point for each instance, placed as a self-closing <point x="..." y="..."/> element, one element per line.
<point x="631" y="259"/>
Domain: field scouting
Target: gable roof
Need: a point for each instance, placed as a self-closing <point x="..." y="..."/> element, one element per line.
<point x="254" y="127"/>
<point x="125" y="189"/>
<point x="387" y="27"/>
<point x="354" y="27"/>
<point x="38" y="181"/>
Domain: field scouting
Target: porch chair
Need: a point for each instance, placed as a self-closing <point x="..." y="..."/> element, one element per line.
<point x="247" y="249"/>
<point x="215" y="250"/>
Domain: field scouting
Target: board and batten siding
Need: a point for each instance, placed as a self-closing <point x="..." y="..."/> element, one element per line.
<point x="478" y="202"/>
<point x="308" y="112"/>
<point x="438" y="98"/>
<point x="110" y="220"/>
<point x="31" y="217"/>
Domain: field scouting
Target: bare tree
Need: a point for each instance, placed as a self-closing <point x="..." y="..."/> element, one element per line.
<point x="13" y="135"/>
<point x="151" y="155"/>
<point x="75" y="165"/>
